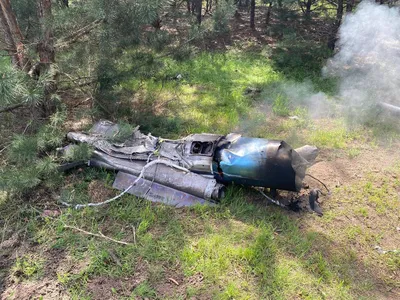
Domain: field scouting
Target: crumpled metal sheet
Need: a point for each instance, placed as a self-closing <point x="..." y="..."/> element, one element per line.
<point x="309" y="153"/>
<point x="212" y="159"/>
<point x="104" y="128"/>
<point x="189" y="182"/>
<point x="139" y="152"/>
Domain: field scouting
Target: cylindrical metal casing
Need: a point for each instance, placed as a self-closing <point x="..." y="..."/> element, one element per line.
<point x="259" y="162"/>
<point x="188" y="182"/>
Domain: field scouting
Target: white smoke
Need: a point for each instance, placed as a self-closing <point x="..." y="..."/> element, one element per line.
<point x="368" y="61"/>
<point x="318" y="103"/>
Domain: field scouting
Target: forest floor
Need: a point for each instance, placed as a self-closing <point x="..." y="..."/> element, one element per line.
<point x="244" y="248"/>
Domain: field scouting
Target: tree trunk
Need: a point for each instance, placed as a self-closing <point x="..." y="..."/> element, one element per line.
<point x="47" y="56"/>
<point x="46" y="43"/>
<point x="252" y="14"/>
<point x="193" y="8"/>
<point x="199" y="4"/>
<point x="9" y="41"/>
<point x="208" y="6"/>
<point x="268" y="16"/>
<point x="336" y="25"/>
<point x="13" y="35"/>
<point x="349" y="5"/>
<point x="11" y="19"/>
<point x="308" y="8"/>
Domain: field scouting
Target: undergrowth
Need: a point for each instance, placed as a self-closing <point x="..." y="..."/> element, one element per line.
<point x="240" y="249"/>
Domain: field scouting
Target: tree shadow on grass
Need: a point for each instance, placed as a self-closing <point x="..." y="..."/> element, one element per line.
<point x="302" y="61"/>
<point x="309" y="262"/>
<point x="207" y="97"/>
<point x="240" y="248"/>
<point x="27" y="268"/>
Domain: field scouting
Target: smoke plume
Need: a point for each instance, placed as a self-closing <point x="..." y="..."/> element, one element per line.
<point x="368" y="61"/>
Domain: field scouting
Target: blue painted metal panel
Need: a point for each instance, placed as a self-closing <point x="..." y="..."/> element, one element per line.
<point x="256" y="162"/>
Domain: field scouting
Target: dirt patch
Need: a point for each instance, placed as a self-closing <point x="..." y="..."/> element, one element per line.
<point x="357" y="225"/>
<point x="15" y="285"/>
<point x="44" y="289"/>
<point x="173" y="284"/>
<point x="98" y="192"/>
<point x="111" y="288"/>
<point x="335" y="168"/>
<point x="103" y="287"/>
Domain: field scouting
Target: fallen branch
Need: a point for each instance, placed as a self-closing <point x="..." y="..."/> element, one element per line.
<point x="11" y="107"/>
<point x="5" y="147"/>
<point x="174" y="281"/>
<point x="73" y="37"/>
<point x="134" y="234"/>
<point x="100" y="235"/>
<point x="74" y="81"/>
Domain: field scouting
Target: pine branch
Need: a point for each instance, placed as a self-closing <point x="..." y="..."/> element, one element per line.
<point x="11" y="107"/>
<point x="73" y="37"/>
<point x="9" y="49"/>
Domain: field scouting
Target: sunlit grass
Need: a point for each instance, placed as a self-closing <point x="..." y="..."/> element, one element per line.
<point x="241" y="249"/>
<point x="209" y="94"/>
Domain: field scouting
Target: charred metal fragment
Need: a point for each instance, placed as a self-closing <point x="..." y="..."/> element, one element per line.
<point x="204" y="163"/>
<point x="313" y="200"/>
<point x="192" y="183"/>
<point x="259" y="162"/>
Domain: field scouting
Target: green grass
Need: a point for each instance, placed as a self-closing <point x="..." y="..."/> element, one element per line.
<point x="240" y="249"/>
<point x="28" y="267"/>
<point x="210" y="96"/>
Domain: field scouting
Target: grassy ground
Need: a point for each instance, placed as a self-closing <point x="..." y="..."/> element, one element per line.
<point x="240" y="249"/>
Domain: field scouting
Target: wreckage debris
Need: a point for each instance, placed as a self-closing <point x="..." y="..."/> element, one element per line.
<point x="196" y="168"/>
<point x="389" y="109"/>
<point x="313" y="201"/>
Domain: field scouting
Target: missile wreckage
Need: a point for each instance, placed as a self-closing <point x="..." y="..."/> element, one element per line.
<point x="197" y="168"/>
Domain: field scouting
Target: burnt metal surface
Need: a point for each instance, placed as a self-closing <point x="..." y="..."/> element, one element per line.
<point x="203" y="162"/>
<point x="259" y="162"/>
<point x="105" y="128"/>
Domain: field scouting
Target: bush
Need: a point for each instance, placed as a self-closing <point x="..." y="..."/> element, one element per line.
<point x="221" y="16"/>
<point x="30" y="159"/>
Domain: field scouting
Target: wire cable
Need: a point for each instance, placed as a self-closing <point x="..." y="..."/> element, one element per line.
<point x="319" y="182"/>
<point x="154" y="162"/>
